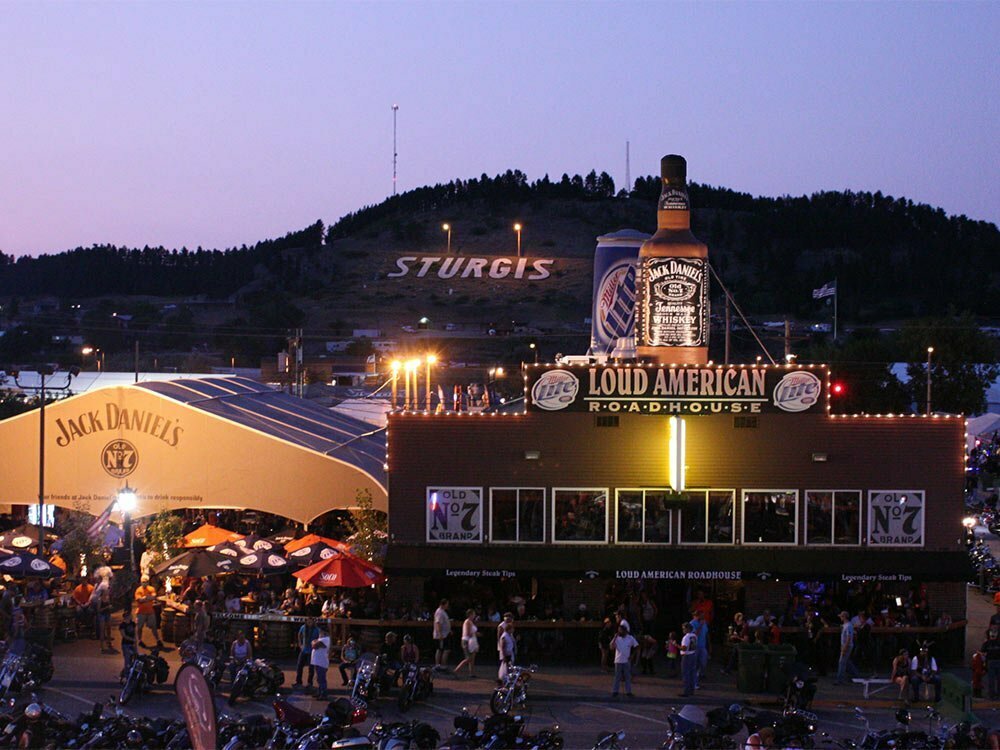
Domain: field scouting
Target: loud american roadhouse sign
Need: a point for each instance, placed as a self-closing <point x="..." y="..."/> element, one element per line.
<point x="677" y="390"/>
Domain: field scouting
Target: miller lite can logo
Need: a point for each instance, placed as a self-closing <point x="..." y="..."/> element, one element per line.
<point x="616" y="301"/>
<point x="555" y="390"/>
<point x="797" y="391"/>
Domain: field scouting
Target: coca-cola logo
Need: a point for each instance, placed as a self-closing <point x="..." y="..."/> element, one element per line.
<point x="555" y="390"/>
<point x="797" y="391"/>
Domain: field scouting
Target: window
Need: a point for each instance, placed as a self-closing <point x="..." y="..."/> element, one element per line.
<point x="833" y="517"/>
<point x="707" y="517"/>
<point x="770" y="517"/>
<point x="517" y="514"/>
<point x="642" y="517"/>
<point x="580" y="515"/>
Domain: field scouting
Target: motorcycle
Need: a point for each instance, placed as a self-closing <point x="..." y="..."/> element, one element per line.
<point x="144" y="671"/>
<point x="417" y="685"/>
<point x="410" y="735"/>
<point x="337" y="722"/>
<point x="890" y="739"/>
<point x="611" y="741"/>
<point x="25" y="666"/>
<point x="792" y="727"/>
<point x="255" y="677"/>
<point x="366" y="682"/>
<point x="243" y="732"/>
<point x="717" y="734"/>
<point x="38" y="725"/>
<point x="206" y="657"/>
<point x="800" y="688"/>
<point x="514" y="690"/>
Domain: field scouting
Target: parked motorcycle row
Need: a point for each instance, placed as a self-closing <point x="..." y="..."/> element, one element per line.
<point x="25" y="666"/>
<point x="725" y="728"/>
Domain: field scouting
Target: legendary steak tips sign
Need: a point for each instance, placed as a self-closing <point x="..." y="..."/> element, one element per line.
<point x="676" y="390"/>
<point x="454" y="514"/>
<point x="896" y="518"/>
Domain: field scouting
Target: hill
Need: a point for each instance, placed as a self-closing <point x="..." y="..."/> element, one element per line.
<point x="893" y="259"/>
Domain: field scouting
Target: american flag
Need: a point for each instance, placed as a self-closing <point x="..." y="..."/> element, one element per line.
<point x="829" y="289"/>
<point x="97" y="527"/>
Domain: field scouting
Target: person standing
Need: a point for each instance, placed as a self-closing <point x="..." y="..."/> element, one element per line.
<point x="470" y="643"/>
<point x="104" y="619"/>
<point x="442" y="633"/>
<point x="689" y="660"/>
<point x="199" y="623"/>
<point x="127" y="631"/>
<point x="624" y="645"/>
<point x="304" y="638"/>
<point x="145" y="598"/>
<point x="699" y="626"/>
<point x="239" y="654"/>
<point x="844" y="664"/>
<point x="507" y="648"/>
<point x="991" y="650"/>
<point x="319" y="658"/>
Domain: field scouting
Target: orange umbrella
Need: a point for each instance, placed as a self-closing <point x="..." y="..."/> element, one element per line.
<point x="341" y="570"/>
<point x="209" y="535"/>
<point x="309" y="539"/>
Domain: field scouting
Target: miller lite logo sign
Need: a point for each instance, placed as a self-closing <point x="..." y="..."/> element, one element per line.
<point x="797" y="391"/>
<point x="555" y="390"/>
<point x="616" y="302"/>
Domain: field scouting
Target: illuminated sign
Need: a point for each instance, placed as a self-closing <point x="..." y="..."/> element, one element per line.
<point x="454" y="514"/>
<point x="468" y="267"/>
<point x="676" y="391"/>
<point x="896" y="518"/>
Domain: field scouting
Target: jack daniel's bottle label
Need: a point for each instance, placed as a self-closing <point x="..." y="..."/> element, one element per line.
<point x="675" y="291"/>
<point x="673" y="199"/>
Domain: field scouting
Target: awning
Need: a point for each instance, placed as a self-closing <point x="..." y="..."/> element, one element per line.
<point x="212" y="442"/>
<point x="679" y="563"/>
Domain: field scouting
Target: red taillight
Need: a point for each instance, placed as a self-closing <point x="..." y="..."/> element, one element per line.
<point x="279" y="711"/>
<point x="359" y="715"/>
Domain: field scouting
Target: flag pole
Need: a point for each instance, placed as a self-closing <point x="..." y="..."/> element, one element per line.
<point x="836" y="291"/>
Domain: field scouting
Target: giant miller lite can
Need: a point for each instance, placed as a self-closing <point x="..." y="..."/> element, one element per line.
<point x="615" y="266"/>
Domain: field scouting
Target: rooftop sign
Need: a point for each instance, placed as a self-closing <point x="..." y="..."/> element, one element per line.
<point x="640" y="389"/>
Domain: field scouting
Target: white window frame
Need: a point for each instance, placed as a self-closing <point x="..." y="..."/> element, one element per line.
<point x="743" y="517"/>
<point x="833" y="516"/>
<point x="518" y="510"/>
<point x="607" y="511"/>
<point x="644" y="543"/>
<point x="427" y="526"/>
<point x="704" y="542"/>
<point x="923" y="519"/>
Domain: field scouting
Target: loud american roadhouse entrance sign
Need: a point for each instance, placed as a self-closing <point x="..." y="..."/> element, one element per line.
<point x="792" y="389"/>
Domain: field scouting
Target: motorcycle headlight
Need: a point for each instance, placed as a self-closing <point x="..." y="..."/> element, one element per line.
<point x="33" y="712"/>
<point x="800" y="684"/>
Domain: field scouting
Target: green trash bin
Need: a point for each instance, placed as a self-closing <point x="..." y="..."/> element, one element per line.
<point x="751" y="659"/>
<point x="781" y="658"/>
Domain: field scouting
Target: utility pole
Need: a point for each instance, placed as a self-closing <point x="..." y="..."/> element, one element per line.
<point x="395" y="109"/>
<point x="136" y="359"/>
<point x="788" y="339"/>
<point x="728" y="326"/>
<point x="930" y="351"/>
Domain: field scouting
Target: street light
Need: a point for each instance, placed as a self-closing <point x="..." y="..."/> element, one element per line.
<point x="930" y="351"/>
<point x="447" y="228"/>
<point x="84" y="353"/>
<point x="44" y="371"/>
<point x="517" y="228"/>
<point x="415" y="369"/>
<point x="534" y="348"/>
<point x="395" y="381"/>
<point x="431" y="359"/>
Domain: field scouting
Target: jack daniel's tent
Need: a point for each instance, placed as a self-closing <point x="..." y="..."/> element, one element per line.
<point x="210" y="443"/>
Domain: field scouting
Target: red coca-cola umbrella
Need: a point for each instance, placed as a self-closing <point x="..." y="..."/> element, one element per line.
<point x="343" y="570"/>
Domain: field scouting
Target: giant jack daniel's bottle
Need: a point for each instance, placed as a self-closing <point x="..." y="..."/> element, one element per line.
<point x="672" y="305"/>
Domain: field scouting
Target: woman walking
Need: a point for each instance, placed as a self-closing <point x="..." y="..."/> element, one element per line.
<point x="470" y="643"/>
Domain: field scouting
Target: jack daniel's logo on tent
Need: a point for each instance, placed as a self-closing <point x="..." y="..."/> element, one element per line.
<point x="114" y="417"/>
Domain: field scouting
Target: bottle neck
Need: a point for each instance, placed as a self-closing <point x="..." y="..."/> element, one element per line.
<point x="673" y="219"/>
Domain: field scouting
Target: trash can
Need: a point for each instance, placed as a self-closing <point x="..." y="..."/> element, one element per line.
<point x="752" y="659"/>
<point x="780" y="659"/>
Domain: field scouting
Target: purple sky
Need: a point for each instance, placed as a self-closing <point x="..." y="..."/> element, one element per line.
<point x="216" y="124"/>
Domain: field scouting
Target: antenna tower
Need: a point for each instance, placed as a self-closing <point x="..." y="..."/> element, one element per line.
<point x="395" y="109"/>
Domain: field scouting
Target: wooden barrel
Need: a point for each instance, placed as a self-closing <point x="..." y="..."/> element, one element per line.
<point x="182" y="627"/>
<point x="167" y="625"/>
<point x="44" y="617"/>
<point x="278" y="641"/>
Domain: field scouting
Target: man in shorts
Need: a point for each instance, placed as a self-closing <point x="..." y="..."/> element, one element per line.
<point x="442" y="635"/>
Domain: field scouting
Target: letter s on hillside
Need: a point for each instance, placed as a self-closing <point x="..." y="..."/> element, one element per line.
<point x="404" y="266"/>
<point x="541" y="270"/>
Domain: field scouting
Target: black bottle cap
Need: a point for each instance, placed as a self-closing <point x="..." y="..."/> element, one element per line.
<point x="673" y="168"/>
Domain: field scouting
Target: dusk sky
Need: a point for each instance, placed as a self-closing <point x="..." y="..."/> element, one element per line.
<point x="217" y="124"/>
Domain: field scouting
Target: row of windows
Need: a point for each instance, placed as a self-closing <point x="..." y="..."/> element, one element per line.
<point x="655" y="516"/>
